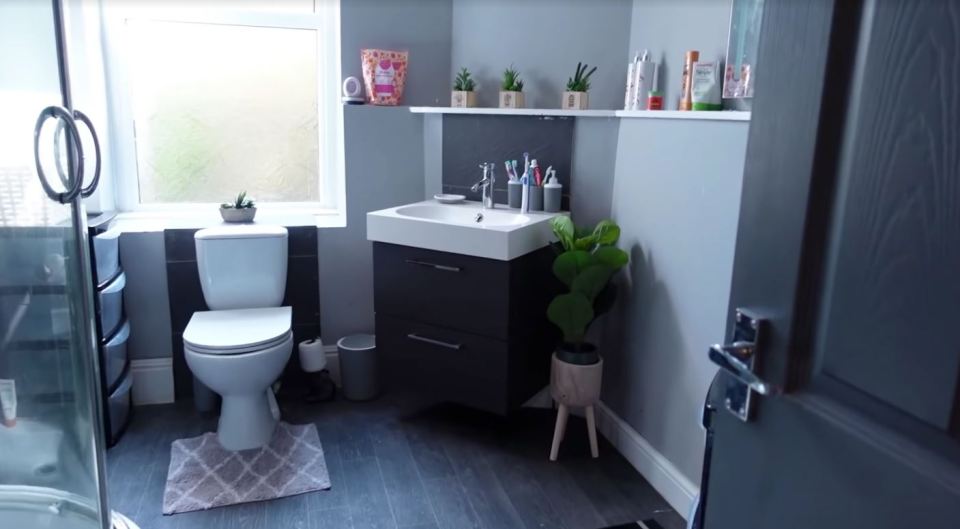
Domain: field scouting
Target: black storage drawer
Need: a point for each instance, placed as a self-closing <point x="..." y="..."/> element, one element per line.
<point x="444" y="289"/>
<point x="450" y="365"/>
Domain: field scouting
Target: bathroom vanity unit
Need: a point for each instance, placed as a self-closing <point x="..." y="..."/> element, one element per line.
<point x="460" y="306"/>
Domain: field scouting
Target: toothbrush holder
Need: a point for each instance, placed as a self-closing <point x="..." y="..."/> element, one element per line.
<point x="514" y="194"/>
<point x="536" y="198"/>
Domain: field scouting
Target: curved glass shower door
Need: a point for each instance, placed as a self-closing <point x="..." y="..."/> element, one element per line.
<point x="51" y="449"/>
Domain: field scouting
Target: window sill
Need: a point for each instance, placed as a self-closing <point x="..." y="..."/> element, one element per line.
<point x="159" y="220"/>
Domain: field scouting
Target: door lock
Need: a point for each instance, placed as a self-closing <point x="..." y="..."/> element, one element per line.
<point x="738" y="360"/>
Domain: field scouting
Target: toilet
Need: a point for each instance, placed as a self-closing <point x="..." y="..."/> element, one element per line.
<point x="240" y="346"/>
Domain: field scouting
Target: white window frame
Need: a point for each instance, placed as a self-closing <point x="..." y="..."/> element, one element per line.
<point x="325" y="20"/>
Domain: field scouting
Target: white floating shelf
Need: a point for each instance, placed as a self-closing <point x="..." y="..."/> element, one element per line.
<point x="710" y="115"/>
<point x="516" y="112"/>
<point x="719" y="115"/>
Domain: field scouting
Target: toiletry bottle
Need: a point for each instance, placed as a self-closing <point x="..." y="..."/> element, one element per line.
<point x="686" y="103"/>
<point x="552" y="192"/>
<point x="655" y="97"/>
<point x="629" y="95"/>
<point x="643" y="80"/>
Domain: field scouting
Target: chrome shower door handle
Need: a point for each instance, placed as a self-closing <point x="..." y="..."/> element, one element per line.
<point x="89" y="190"/>
<point x="72" y="183"/>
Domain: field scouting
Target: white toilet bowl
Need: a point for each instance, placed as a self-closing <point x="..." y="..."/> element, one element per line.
<point x="239" y="354"/>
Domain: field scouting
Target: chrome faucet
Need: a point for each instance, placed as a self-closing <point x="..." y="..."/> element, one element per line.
<point x="486" y="183"/>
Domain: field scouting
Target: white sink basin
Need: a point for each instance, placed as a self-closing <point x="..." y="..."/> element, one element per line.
<point x="465" y="228"/>
<point x="472" y="216"/>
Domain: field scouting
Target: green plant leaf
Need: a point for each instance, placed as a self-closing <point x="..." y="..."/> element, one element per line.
<point x="607" y="233"/>
<point x="585" y="243"/>
<point x="563" y="228"/>
<point x="569" y="264"/>
<point x="611" y="256"/>
<point x="572" y="313"/>
<point x="592" y="280"/>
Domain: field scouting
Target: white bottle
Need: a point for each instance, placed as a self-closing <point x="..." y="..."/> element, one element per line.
<point x="643" y="81"/>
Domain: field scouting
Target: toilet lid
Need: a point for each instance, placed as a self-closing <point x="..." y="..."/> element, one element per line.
<point x="238" y="330"/>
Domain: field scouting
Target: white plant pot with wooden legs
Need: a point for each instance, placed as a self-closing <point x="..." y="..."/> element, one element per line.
<point x="573" y="385"/>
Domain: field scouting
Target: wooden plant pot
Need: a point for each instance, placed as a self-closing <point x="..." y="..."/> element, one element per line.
<point x="575" y="101"/>
<point x="575" y="385"/>
<point x="463" y="99"/>
<point x="238" y="215"/>
<point x="511" y="99"/>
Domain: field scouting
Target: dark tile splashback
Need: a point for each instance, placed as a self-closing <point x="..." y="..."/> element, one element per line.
<point x="469" y="141"/>
<point x="186" y="294"/>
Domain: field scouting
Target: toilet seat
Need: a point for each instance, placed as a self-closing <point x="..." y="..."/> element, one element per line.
<point x="237" y="331"/>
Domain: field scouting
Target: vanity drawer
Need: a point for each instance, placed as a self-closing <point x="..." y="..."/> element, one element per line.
<point x="106" y="255"/>
<point x="449" y="365"/>
<point x="444" y="289"/>
<point x="115" y="355"/>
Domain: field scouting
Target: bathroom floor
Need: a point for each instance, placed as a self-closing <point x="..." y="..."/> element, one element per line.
<point x="396" y="463"/>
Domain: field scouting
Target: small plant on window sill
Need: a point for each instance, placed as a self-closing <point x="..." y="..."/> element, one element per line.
<point x="242" y="209"/>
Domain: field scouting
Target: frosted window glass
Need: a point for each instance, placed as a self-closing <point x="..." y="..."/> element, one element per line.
<point x="220" y="109"/>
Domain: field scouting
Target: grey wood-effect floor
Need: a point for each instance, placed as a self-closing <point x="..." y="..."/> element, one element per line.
<point x="397" y="464"/>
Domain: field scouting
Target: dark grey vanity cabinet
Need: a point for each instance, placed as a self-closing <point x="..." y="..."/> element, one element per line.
<point x="464" y="329"/>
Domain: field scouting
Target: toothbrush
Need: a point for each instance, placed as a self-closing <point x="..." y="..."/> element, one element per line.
<point x="536" y="173"/>
<point x="515" y="173"/>
<point x="510" y="174"/>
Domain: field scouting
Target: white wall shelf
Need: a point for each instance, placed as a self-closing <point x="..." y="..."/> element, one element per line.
<point x="724" y="115"/>
<point x="516" y="112"/>
<point x="709" y="115"/>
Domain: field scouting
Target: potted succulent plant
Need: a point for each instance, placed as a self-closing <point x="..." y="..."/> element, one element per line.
<point x="587" y="263"/>
<point x="463" y="95"/>
<point x="575" y="98"/>
<point x="511" y="89"/>
<point x="242" y="209"/>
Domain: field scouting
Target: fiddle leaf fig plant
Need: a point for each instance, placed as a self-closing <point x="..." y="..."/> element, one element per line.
<point x="588" y="261"/>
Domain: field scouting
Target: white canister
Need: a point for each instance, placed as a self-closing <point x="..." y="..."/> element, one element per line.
<point x="312" y="357"/>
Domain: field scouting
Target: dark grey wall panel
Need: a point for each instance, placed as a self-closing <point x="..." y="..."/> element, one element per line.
<point x="469" y="141"/>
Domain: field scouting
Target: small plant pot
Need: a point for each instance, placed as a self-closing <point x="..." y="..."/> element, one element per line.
<point x="463" y="99"/>
<point x="511" y="99"/>
<point x="238" y="215"/>
<point x="575" y="101"/>
<point x="575" y="385"/>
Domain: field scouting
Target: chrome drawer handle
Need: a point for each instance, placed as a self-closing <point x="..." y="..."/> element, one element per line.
<point x="446" y="268"/>
<point x="431" y="341"/>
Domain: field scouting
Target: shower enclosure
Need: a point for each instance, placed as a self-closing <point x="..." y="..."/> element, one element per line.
<point x="51" y="439"/>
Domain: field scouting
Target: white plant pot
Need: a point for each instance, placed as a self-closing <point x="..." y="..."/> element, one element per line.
<point x="238" y="215"/>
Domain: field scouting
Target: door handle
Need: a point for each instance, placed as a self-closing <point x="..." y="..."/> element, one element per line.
<point x="738" y="360"/>
<point x="87" y="191"/>
<point x="431" y="341"/>
<point x="72" y="186"/>
<point x="446" y="268"/>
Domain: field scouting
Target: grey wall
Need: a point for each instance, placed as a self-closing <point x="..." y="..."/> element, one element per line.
<point x="145" y="297"/>
<point x="384" y="168"/>
<point x="668" y="28"/>
<point x="677" y="199"/>
<point x="544" y="39"/>
<point x="594" y="162"/>
<point x="421" y="27"/>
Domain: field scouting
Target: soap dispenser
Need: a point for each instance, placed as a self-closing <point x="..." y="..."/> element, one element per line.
<point x="552" y="192"/>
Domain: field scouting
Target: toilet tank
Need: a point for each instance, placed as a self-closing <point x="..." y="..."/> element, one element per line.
<point x="242" y="267"/>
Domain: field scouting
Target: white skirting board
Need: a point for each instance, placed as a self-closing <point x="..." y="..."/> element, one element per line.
<point x="152" y="381"/>
<point x="153" y="377"/>
<point x="667" y="479"/>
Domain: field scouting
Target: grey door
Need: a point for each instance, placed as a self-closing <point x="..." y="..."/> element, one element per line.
<point x="849" y="243"/>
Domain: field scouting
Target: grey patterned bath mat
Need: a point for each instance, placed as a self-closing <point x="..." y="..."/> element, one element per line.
<point x="204" y="475"/>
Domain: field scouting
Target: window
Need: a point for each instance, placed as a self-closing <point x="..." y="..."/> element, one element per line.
<point x="230" y="97"/>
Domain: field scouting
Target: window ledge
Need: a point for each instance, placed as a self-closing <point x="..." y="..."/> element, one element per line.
<point x="159" y="220"/>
